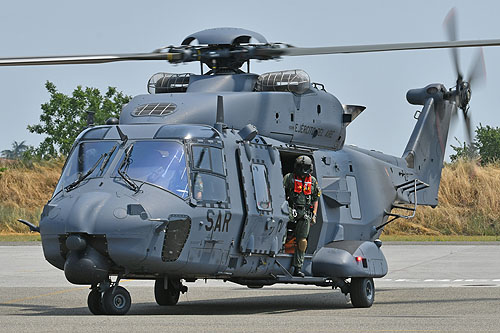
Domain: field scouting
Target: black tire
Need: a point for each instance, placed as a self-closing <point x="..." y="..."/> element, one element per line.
<point x="164" y="296"/>
<point x="94" y="302"/>
<point x="362" y="292"/>
<point x="255" y="286"/>
<point x="116" y="301"/>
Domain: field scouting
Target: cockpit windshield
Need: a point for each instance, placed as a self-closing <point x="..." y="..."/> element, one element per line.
<point x="162" y="163"/>
<point x="85" y="157"/>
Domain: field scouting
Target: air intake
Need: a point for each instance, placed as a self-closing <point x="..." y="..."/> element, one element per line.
<point x="161" y="83"/>
<point x="296" y="81"/>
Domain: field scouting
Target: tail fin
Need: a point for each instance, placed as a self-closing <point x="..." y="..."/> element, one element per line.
<point x="425" y="150"/>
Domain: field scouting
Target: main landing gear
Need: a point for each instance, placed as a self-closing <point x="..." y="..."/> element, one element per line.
<point x="362" y="292"/>
<point x="168" y="290"/>
<point x="109" y="298"/>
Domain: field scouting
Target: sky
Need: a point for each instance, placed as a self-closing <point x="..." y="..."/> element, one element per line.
<point x="378" y="81"/>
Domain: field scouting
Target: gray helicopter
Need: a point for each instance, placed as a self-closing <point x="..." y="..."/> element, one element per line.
<point x="187" y="184"/>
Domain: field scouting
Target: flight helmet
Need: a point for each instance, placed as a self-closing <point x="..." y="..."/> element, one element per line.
<point x="303" y="165"/>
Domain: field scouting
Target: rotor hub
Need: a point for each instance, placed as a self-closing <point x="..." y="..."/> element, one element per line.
<point x="464" y="95"/>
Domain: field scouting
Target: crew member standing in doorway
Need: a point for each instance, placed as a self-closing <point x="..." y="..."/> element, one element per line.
<point x="302" y="193"/>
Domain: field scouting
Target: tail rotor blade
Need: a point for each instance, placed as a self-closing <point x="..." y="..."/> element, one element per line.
<point x="468" y="128"/>
<point x="477" y="73"/>
<point x="450" y="26"/>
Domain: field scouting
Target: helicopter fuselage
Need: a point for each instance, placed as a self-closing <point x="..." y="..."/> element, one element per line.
<point x="189" y="185"/>
<point x="239" y="234"/>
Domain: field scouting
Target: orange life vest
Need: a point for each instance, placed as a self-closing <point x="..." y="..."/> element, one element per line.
<point x="305" y="186"/>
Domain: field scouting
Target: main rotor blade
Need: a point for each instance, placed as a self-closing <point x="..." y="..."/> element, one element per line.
<point x="88" y="59"/>
<point x="450" y="26"/>
<point x="301" y="51"/>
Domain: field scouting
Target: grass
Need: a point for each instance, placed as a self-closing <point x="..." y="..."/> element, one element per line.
<point x="32" y="237"/>
<point x="469" y="205"/>
<point x="20" y="237"/>
<point x="468" y="210"/>
<point x="439" y="238"/>
<point x="24" y="189"/>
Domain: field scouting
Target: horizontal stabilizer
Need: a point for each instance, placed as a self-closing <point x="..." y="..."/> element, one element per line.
<point x="351" y="112"/>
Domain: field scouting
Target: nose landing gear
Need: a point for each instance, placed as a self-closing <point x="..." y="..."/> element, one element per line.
<point x="109" y="298"/>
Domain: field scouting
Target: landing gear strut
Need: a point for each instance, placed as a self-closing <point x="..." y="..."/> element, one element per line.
<point x="109" y="298"/>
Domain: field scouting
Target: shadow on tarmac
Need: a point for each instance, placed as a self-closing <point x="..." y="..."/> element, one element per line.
<point x="268" y="304"/>
<point x="227" y="306"/>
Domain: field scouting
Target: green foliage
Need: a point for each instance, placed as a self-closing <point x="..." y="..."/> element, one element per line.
<point x="17" y="151"/>
<point x="64" y="117"/>
<point x="464" y="152"/>
<point x="2" y="169"/>
<point x="9" y="216"/>
<point x="486" y="146"/>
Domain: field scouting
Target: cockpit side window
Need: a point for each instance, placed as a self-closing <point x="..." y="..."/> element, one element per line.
<point x="208" y="187"/>
<point x="208" y="159"/>
<point x="208" y="177"/>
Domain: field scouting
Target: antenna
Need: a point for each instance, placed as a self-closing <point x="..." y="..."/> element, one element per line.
<point x="123" y="136"/>
<point x="90" y="118"/>
<point x="219" y="119"/>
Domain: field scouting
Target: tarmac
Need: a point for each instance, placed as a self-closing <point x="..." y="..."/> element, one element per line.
<point x="429" y="287"/>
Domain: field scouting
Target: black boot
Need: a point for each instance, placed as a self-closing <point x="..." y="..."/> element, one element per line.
<point x="297" y="272"/>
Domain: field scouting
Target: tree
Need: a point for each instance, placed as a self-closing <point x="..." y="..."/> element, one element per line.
<point x="464" y="151"/>
<point x="486" y="146"/>
<point x="17" y="151"/>
<point x="64" y="117"/>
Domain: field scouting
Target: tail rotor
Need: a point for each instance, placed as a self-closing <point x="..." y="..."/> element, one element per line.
<point x="477" y="75"/>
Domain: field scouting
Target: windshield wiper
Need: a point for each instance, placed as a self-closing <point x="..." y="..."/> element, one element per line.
<point x="105" y="156"/>
<point x="106" y="159"/>
<point x="124" y="166"/>
<point x="80" y="179"/>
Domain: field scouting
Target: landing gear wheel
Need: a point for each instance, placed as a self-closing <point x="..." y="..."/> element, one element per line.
<point x="116" y="301"/>
<point x="255" y="286"/>
<point x="94" y="301"/>
<point x="362" y="292"/>
<point x="164" y="296"/>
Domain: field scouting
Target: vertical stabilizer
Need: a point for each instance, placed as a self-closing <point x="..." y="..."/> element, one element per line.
<point x="426" y="148"/>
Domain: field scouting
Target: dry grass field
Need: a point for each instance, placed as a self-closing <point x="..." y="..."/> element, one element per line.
<point x="23" y="192"/>
<point x="469" y="204"/>
<point x="469" y="200"/>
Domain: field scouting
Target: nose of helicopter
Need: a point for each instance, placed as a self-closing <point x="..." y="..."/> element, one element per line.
<point x="85" y="212"/>
<point x="84" y="264"/>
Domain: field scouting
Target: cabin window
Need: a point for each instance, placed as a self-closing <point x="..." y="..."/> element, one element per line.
<point x="261" y="184"/>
